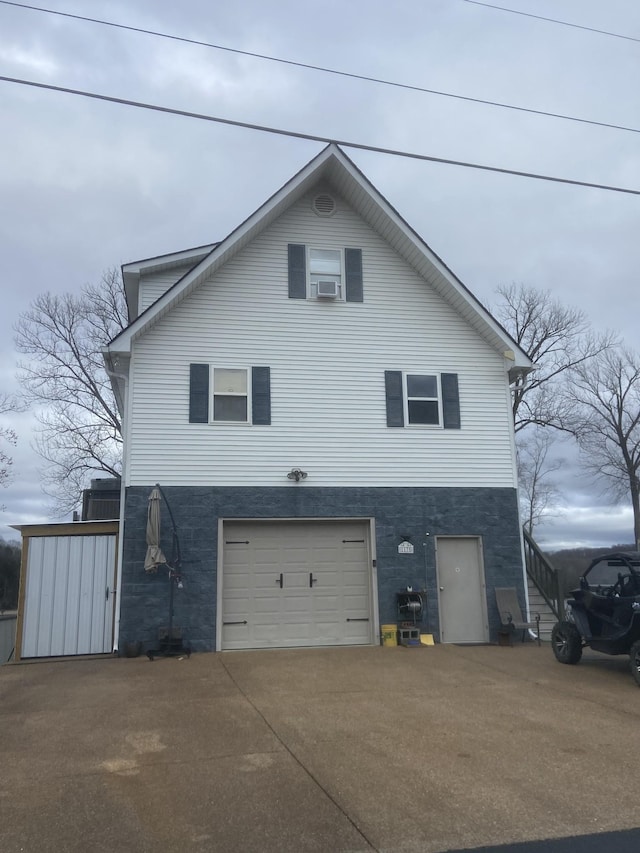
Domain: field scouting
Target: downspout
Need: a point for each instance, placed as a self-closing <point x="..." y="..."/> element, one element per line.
<point x="509" y="357"/>
<point x="123" y="480"/>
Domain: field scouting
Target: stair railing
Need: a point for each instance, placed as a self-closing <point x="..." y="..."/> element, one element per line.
<point x="545" y="577"/>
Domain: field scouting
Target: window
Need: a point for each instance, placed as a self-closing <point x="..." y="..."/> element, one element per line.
<point x="325" y="266"/>
<point x="422" y="399"/>
<point x="240" y="395"/>
<point x="307" y="266"/>
<point x="230" y="393"/>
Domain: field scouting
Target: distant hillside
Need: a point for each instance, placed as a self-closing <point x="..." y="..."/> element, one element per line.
<point x="571" y="562"/>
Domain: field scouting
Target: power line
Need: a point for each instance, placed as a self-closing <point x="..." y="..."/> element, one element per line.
<point x="312" y="137"/>
<point x="552" y="20"/>
<point x="323" y="69"/>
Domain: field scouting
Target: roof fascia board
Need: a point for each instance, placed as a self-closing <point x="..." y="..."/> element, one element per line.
<point x="117" y="368"/>
<point x="508" y="344"/>
<point x="285" y="196"/>
<point x="66" y="528"/>
<point x="328" y="164"/>
<point x="170" y="259"/>
<point x="131" y="272"/>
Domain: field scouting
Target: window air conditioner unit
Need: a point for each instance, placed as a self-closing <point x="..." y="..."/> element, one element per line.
<point x="328" y="289"/>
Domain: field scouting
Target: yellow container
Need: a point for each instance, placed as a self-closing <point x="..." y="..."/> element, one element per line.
<point x="389" y="635"/>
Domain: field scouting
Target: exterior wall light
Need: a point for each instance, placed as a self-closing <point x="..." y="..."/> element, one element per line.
<point x="297" y="474"/>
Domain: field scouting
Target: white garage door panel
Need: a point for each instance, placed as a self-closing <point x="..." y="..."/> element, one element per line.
<point x="324" y="569"/>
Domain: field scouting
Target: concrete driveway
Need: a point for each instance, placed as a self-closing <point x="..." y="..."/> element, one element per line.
<point x="330" y="750"/>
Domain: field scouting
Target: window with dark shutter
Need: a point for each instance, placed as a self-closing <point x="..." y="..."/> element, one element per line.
<point x="198" y="393"/>
<point x="395" y="403"/>
<point x="261" y="395"/>
<point x="416" y="399"/>
<point x="353" y="275"/>
<point x="333" y="274"/>
<point x="297" y="257"/>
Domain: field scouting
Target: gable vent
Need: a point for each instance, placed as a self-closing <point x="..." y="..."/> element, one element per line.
<point x="324" y="205"/>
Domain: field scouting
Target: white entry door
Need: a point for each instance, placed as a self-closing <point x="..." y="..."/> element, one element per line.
<point x="461" y="590"/>
<point x="69" y="596"/>
<point x="288" y="584"/>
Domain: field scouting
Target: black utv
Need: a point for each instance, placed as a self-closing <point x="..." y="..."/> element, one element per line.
<point x="604" y="612"/>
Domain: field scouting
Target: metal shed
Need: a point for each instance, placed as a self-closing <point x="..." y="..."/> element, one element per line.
<point x="67" y="589"/>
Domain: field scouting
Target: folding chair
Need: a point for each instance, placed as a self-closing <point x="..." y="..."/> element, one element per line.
<point x="510" y="614"/>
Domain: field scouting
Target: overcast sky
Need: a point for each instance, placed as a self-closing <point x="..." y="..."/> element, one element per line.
<point x="86" y="185"/>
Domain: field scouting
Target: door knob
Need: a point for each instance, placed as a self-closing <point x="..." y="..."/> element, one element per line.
<point x="441" y="588"/>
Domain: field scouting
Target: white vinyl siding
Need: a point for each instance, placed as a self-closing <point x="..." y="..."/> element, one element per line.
<point x="327" y="361"/>
<point x="154" y="285"/>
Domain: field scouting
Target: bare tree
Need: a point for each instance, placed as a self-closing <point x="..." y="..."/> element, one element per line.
<point x="606" y="394"/>
<point x="7" y="436"/>
<point x="65" y="380"/>
<point x="556" y="338"/>
<point x="538" y="491"/>
<point x="9" y="574"/>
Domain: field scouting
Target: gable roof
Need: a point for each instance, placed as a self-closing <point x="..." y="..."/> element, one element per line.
<point x="334" y="168"/>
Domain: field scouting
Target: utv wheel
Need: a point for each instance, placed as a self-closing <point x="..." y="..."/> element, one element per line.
<point x="634" y="660"/>
<point x="567" y="642"/>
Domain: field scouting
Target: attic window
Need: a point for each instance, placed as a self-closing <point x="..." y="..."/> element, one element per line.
<point x="325" y="265"/>
<point x="324" y="205"/>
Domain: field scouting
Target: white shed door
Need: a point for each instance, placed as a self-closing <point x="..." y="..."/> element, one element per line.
<point x="290" y="584"/>
<point x="69" y="596"/>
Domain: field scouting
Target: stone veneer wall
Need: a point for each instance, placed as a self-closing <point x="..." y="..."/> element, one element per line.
<point x="489" y="513"/>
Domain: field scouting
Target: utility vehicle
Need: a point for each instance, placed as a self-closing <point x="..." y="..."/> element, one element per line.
<point x="603" y="613"/>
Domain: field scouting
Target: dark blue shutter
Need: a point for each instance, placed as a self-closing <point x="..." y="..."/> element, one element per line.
<point x="450" y="401"/>
<point x="353" y="275"/>
<point x="198" y="393"/>
<point x="393" y="391"/>
<point x="297" y="271"/>
<point x="261" y="395"/>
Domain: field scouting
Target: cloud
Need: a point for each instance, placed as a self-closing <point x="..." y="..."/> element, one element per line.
<point x="587" y="527"/>
<point x="28" y="61"/>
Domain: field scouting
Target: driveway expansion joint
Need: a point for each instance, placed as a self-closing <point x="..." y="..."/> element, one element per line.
<point x="300" y="763"/>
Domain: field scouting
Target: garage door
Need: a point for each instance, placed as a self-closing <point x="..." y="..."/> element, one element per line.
<point x="290" y="584"/>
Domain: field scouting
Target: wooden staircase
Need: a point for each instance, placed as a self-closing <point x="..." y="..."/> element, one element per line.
<point x="544" y="587"/>
<point x="538" y="604"/>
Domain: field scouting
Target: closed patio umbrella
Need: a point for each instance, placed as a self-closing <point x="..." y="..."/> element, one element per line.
<point x="170" y="638"/>
<point x="154" y="557"/>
